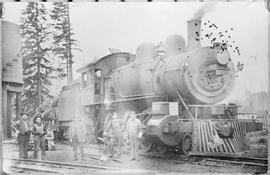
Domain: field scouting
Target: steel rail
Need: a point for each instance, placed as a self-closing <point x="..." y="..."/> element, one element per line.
<point x="63" y="164"/>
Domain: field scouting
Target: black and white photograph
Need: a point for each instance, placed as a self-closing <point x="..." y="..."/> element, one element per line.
<point x="134" y="87"/>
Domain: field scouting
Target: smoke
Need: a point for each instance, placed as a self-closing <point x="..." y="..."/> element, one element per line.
<point x="209" y="6"/>
<point x="205" y="8"/>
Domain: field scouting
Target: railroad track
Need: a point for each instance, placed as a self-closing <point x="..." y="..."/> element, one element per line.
<point x="243" y="161"/>
<point x="209" y="160"/>
<point x="26" y="166"/>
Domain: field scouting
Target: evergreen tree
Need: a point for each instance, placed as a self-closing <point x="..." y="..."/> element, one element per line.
<point x="36" y="53"/>
<point x="63" y="42"/>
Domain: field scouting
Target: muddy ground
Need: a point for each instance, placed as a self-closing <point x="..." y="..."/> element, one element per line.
<point x="156" y="165"/>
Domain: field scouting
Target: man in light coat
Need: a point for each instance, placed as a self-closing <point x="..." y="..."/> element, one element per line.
<point x="24" y="135"/>
<point x="39" y="133"/>
<point x="77" y="136"/>
<point x="133" y="129"/>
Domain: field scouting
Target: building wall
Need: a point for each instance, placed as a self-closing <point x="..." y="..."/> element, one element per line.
<point x="12" y="75"/>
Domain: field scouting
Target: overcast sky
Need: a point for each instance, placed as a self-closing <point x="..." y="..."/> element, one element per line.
<point x="99" y="26"/>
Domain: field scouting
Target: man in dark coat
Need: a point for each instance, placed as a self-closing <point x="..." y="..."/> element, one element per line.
<point x="24" y="135"/>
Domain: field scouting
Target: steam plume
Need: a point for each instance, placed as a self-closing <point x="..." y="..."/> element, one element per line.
<point x="205" y="8"/>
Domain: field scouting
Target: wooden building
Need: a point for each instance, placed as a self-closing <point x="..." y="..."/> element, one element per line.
<point x="12" y="75"/>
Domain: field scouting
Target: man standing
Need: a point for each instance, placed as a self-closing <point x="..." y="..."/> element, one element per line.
<point x="77" y="137"/>
<point x="133" y="129"/>
<point x="39" y="137"/>
<point x="114" y="128"/>
<point x="24" y="135"/>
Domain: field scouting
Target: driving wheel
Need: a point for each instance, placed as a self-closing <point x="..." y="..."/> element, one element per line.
<point x="186" y="144"/>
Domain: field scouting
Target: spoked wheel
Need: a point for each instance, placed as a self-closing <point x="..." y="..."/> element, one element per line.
<point x="186" y="144"/>
<point x="145" y="144"/>
<point x="162" y="149"/>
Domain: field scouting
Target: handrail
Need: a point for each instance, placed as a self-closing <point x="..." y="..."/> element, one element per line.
<point x="185" y="105"/>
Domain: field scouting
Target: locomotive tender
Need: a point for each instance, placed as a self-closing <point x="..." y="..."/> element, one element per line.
<point x="175" y="90"/>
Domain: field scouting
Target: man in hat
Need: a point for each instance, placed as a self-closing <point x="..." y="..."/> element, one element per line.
<point x="77" y="136"/>
<point x="23" y="135"/>
<point x="39" y="133"/>
<point x="133" y="129"/>
<point x="115" y="128"/>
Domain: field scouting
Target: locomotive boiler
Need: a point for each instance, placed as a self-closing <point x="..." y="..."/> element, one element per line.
<point x="202" y="75"/>
<point x="187" y="83"/>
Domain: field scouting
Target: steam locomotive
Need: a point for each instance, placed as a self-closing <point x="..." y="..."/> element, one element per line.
<point x="175" y="90"/>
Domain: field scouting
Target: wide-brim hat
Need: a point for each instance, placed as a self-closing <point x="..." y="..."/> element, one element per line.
<point x="24" y="113"/>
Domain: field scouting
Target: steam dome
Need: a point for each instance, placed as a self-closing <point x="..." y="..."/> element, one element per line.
<point x="174" y="44"/>
<point x="145" y="50"/>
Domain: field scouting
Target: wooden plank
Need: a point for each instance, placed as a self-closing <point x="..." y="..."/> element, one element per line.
<point x="237" y="139"/>
<point x="216" y="154"/>
<point x="241" y="135"/>
<point x="212" y="133"/>
<point x="202" y="137"/>
<point x="236" y="162"/>
<point x="234" y="139"/>
<point x="199" y="134"/>
<point x="208" y="134"/>
<point x="207" y="124"/>
<point x="195" y="136"/>
<point x="244" y="135"/>
<point x="230" y="141"/>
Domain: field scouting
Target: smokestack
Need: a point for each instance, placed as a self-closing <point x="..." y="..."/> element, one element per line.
<point x="194" y="32"/>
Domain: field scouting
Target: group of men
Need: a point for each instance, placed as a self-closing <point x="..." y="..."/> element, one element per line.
<point x="113" y="134"/>
<point x="37" y="129"/>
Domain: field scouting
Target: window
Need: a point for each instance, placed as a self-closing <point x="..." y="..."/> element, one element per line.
<point x="84" y="79"/>
<point x="98" y="81"/>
